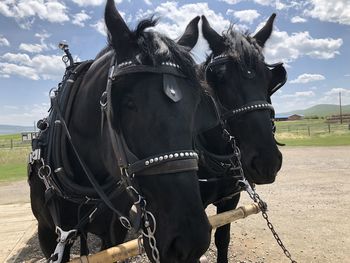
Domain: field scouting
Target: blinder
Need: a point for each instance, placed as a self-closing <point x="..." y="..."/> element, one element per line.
<point x="279" y="77"/>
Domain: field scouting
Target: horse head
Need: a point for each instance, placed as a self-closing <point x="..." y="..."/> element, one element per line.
<point x="243" y="84"/>
<point x="152" y="103"/>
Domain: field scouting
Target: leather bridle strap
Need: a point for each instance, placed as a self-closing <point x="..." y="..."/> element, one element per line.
<point x="132" y="69"/>
<point x="172" y="162"/>
<point x="249" y="107"/>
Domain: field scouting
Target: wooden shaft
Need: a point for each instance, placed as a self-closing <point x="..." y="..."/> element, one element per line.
<point x="131" y="248"/>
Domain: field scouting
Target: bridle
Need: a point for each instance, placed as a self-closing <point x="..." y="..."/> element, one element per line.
<point x="163" y="163"/>
<point x="252" y="106"/>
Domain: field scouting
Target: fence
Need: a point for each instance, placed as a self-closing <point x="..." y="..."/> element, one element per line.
<point x="312" y="128"/>
<point x="13" y="143"/>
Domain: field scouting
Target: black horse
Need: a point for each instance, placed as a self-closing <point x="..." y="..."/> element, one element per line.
<point x="242" y="84"/>
<point x="124" y="137"/>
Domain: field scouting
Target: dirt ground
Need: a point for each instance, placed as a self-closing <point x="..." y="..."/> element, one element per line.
<point x="308" y="206"/>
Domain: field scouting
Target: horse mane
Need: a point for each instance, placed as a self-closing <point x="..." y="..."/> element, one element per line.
<point x="156" y="48"/>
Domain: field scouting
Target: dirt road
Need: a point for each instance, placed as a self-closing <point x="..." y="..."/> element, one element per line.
<point x="308" y="206"/>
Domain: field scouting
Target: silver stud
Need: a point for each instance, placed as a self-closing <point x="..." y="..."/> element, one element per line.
<point x="172" y="91"/>
<point x="171" y="156"/>
<point x="156" y="159"/>
<point x="160" y="158"/>
<point x="187" y="154"/>
<point x="165" y="157"/>
<point x="176" y="155"/>
<point x="150" y="160"/>
<point x="182" y="154"/>
<point x="147" y="163"/>
<point x="191" y="153"/>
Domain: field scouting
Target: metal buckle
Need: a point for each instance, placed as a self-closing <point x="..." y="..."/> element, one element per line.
<point x="64" y="237"/>
<point x="34" y="156"/>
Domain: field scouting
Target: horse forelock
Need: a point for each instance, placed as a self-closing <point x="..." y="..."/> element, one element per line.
<point x="155" y="48"/>
<point x="243" y="48"/>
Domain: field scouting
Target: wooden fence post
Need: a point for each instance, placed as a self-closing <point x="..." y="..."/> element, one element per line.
<point x="329" y="128"/>
<point x="11" y="143"/>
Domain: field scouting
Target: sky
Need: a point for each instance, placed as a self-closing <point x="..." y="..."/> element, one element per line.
<point x="312" y="38"/>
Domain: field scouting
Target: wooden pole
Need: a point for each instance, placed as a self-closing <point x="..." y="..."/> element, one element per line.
<point x="132" y="249"/>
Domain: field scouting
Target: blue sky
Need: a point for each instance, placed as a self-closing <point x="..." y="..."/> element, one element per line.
<point x="312" y="37"/>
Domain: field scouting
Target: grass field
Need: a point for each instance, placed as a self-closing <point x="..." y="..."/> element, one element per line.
<point x="13" y="163"/>
<point x="312" y="133"/>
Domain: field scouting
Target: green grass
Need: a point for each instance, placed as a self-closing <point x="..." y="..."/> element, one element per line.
<point x="327" y="140"/>
<point x="10" y="136"/>
<point x="13" y="164"/>
<point x="312" y="133"/>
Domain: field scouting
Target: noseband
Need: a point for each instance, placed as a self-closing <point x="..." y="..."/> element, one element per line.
<point x="163" y="163"/>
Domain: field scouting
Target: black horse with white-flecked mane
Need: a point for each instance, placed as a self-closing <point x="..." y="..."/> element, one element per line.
<point x="124" y="136"/>
<point x="241" y="83"/>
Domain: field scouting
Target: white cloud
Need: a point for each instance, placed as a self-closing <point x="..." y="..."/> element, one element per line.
<point x="35" y="68"/>
<point x="231" y="2"/>
<point x="80" y="18"/>
<point x="335" y="91"/>
<point x="299" y="94"/>
<point x="93" y="2"/>
<point x="244" y="16"/>
<point x="24" y="114"/>
<point x="100" y="27"/>
<point x="175" y="17"/>
<point x="32" y="48"/>
<point x="36" y="48"/>
<point x="306" y="78"/>
<point x="284" y="47"/>
<point x="8" y="69"/>
<point x="337" y="11"/>
<point x="148" y="2"/>
<point x="53" y="11"/>
<point x="298" y="19"/>
<point x="4" y="41"/>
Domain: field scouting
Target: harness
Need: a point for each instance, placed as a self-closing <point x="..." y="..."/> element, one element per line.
<point x="228" y="167"/>
<point x="49" y="156"/>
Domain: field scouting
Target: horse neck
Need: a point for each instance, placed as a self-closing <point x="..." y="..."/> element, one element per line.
<point x="85" y="125"/>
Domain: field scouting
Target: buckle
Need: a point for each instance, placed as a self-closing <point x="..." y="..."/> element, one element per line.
<point x="34" y="156"/>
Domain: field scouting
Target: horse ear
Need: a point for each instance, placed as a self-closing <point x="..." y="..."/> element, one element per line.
<point x="190" y="36"/>
<point x="119" y="32"/>
<point x="265" y="32"/>
<point x="215" y="41"/>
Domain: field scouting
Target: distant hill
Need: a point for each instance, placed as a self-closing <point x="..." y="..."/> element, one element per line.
<point x="320" y="110"/>
<point x="11" y="129"/>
